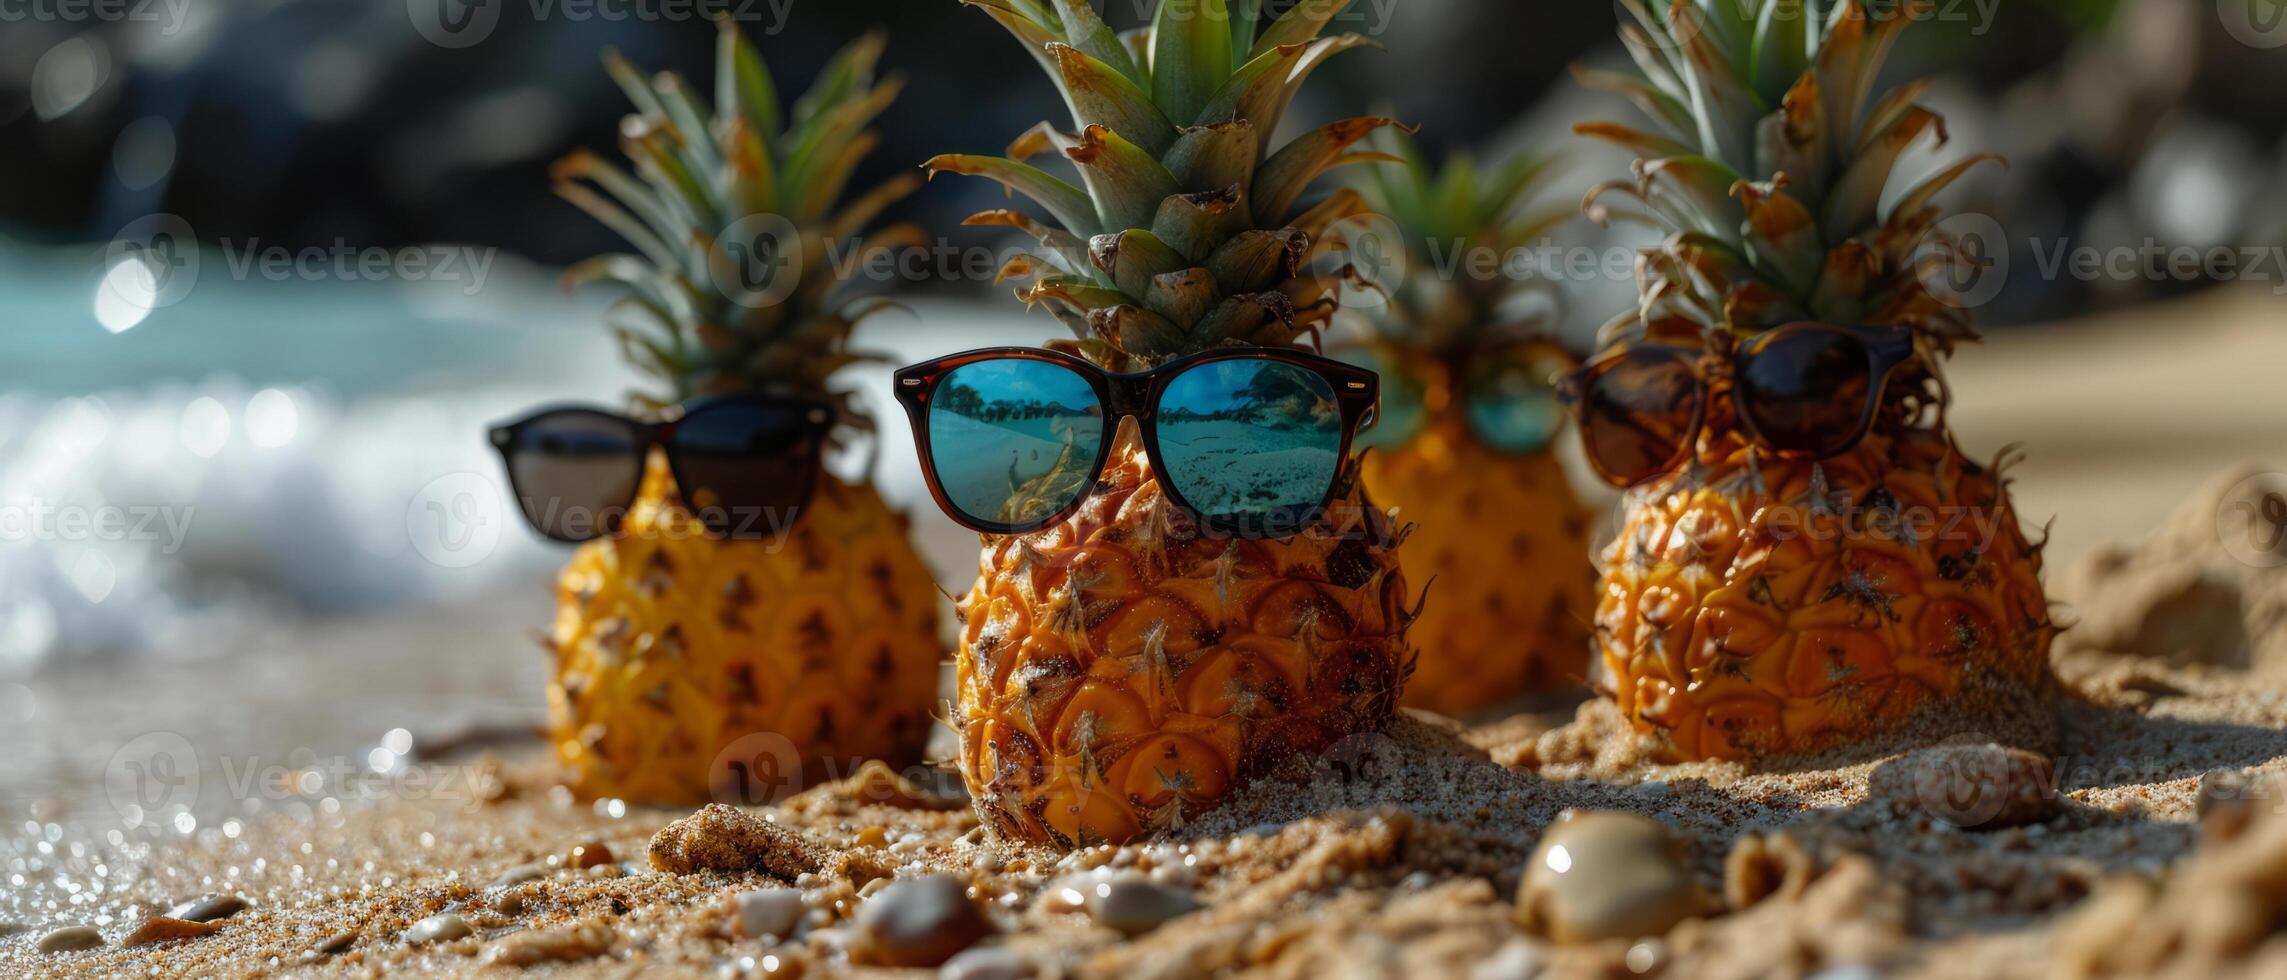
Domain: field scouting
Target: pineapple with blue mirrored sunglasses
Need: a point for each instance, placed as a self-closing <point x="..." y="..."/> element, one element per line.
<point x="1468" y="415"/>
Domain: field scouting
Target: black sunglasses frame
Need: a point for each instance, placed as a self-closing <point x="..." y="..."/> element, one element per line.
<point x="817" y="416"/>
<point x="1887" y="349"/>
<point x="1357" y="392"/>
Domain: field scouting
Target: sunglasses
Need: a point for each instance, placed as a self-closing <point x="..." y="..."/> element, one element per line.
<point x="744" y="464"/>
<point x="1802" y="391"/>
<point x="1507" y="395"/>
<point x="1250" y="443"/>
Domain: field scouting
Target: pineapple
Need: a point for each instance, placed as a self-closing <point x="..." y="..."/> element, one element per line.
<point x="671" y="645"/>
<point x="1120" y="672"/>
<point x="1501" y="534"/>
<point x="1752" y="607"/>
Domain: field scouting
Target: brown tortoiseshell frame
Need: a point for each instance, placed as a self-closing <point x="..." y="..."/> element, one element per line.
<point x="1886" y="350"/>
<point x="1357" y="391"/>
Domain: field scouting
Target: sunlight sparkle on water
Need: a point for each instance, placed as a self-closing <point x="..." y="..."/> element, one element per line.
<point x="271" y="418"/>
<point x="126" y="294"/>
<point x="205" y="427"/>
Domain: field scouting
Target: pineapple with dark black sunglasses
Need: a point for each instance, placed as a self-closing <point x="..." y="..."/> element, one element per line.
<point x="1770" y="594"/>
<point x="687" y="665"/>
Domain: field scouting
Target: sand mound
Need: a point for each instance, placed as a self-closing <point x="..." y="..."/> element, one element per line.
<point x="2208" y="587"/>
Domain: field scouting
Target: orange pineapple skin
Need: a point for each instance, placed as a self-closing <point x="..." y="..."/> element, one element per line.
<point x="670" y="646"/>
<point x="1503" y="542"/>
<point x="1750" y="612"/>
<point x="1121" y="672"/>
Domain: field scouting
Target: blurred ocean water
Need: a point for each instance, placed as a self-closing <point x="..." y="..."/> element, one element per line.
<point x="264" y="517"/>
<point x="281" y="445"/>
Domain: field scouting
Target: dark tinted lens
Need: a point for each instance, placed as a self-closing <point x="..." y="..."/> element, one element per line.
<point x="1403" y="412"/>
<point x="1512" y="401"/>
<point x="575" y="472"/>
<point x="1252" y="445"/>
<point x="746" y="468"/>
<point x="1637" y="413"/>
<point x="1014" y="442"/>
<point x="1805" y="391"/>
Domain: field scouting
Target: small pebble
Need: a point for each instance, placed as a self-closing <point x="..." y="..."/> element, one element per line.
<point x="1606" y="874"/>
<point x="920" y="922"/>
<point x="519" y="875"/>
<point x="767" y="912"/>
<point x="208" y="908"/>
<point x="161" y="929"/>
<point x="509" y="902"/>
<point x="70" y="938"/>
<point x="989" y="963"/>
<point x="1971" y="786"/>
<point x="2225" y="805"/>
<point x="335" y="943"/>
<point x="588" y="856"/>
<point x="873" y="837"/>
<point x="563" y="945"/>
<point x="1519" y="960"/>
<point x="1132" y="905"/>
<point x="442" y="927"/>
<point x="13" y="928"/>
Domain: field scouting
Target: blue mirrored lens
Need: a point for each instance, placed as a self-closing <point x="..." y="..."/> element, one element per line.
<point x="1512" y="404"/>
<point x="1252" y="445"/>
<point x="1014" y="442"/>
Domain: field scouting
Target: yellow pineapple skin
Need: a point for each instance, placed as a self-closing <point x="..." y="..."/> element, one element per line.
<point x="1503" y="541"/>
<point x="1768" y="610"/>
<point x="671" y="645"/>
<point x="1121" y="672"/>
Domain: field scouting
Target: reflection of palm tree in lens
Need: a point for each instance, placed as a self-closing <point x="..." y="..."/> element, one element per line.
<point x="1032" y="498"/>
<point x="1282" y="397"/>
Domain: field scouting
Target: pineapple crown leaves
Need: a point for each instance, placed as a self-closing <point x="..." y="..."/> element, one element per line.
<point x="1441" y="212"/>
<point x="1767" y="162"/>
<point x="1186" y="230"/>
<point x="702" y="175"/>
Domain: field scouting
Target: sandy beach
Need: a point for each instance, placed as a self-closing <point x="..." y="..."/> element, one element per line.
<point x="2151" y="840"/>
